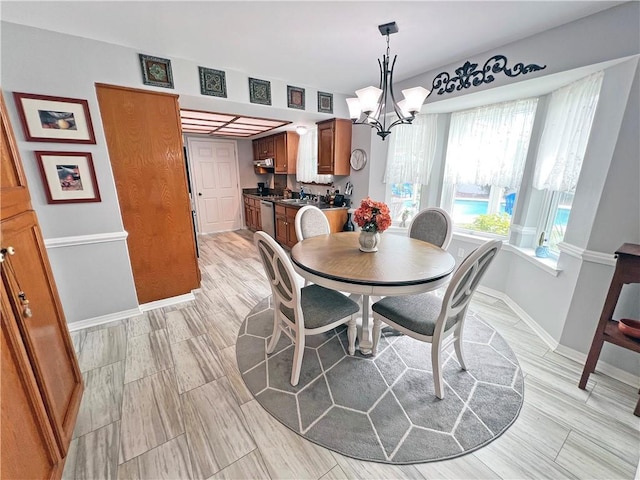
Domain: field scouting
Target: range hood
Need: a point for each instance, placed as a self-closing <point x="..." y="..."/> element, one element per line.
<point x="265" y="163"/>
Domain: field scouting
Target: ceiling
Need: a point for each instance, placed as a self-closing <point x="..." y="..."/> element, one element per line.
<point x="330" y="46"/>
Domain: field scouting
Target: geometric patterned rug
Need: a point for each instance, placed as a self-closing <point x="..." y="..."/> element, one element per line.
<point x="384" y="408"/>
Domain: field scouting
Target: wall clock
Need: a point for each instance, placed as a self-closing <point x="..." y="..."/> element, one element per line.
<point x="358" y="159"/>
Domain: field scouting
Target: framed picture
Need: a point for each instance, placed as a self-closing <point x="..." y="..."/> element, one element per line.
<point x="212" y="82"/>
<point x="295" y="97"/>
<point x="68" y="177"/>
<point x="259" y="91"/>
<point x="54" y="119"/>
<point x="325" y="102"/>
<point x="156" y="71"/>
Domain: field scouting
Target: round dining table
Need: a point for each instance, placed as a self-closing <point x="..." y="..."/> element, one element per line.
<point x="401" y="266"/>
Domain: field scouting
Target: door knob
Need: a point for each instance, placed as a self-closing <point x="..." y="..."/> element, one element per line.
<point x="199" y="194"/>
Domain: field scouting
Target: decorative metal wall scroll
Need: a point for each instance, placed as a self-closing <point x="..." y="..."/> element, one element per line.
<point x="467" y="75"/>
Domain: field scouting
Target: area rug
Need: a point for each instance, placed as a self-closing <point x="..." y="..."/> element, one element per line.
<point x="384" y="408"/>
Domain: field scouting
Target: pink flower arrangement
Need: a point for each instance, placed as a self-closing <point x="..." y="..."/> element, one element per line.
<point x="372" y="216"/>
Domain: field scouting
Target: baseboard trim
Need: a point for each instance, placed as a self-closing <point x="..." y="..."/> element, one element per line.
<point x="551" y="342"/>
<point x="579" y="357"/>
<point x="167" y="302"/>
<point x="85" y="239"/>
<point x="602" y="367"/>
<point x="111" y="317"/>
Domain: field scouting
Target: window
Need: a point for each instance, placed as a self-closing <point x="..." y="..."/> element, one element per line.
<point x="555" y="219"/>
<point x="561" y="152"/>
<point x="486" y="153"/>
<point x="307" y="166"/>
<point x="409" y="159"/>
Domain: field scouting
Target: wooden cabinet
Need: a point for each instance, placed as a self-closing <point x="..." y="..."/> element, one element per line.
<point x="252" y="217"/>
<point x="282" y="148"/>
<point x="142" y="129"/>
<point x="41" y="381"/>
<point x="286" y="152"/>
<point x="337" y="218"/>
<point x="286" y="225"/>
<point x="334" y="146"/>
<point x="263" y="148"/>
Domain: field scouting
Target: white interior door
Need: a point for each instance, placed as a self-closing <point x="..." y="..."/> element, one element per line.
<point x="215" y="181"/>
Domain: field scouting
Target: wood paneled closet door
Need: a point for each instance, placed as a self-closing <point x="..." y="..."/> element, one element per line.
<point x="144" y="138"/>
<point x="41" y="382"/>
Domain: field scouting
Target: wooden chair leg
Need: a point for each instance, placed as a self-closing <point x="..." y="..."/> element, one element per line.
<point x="592" y="360"/>
<point x="460" y="352"/>
<point x="437" y="369"/>
<point x="351" y="335"/>
<point x="275" y="336"/>
<point x="636" y="412"/>
<point x="298" y="355"/>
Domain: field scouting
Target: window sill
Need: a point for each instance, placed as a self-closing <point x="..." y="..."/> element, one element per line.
<point x="549" y="265"/>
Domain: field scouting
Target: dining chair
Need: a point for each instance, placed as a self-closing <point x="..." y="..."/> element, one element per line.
<point x="311" y="222"/>
<point x="432" y="225"/>
<point x="430" y="319"/>
<point x="298" y="312"/>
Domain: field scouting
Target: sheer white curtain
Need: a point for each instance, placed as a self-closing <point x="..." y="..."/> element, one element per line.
<point x="488" y="145"/>
<point x="307" y="167"/>
<point x="565" y="135"/>
<point x="411" y="151"/>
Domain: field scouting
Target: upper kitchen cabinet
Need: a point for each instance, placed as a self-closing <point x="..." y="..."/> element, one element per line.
<point x="286" y="149"/>
<point x="263" y="148"/>
<point x="281" y="147"/>
<point x="334" y="146"/>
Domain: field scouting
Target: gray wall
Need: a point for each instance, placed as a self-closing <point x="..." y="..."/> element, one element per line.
<point x="609" y="214"/>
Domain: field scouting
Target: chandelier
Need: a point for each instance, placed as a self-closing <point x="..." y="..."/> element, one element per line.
<point x="372" y="106"/>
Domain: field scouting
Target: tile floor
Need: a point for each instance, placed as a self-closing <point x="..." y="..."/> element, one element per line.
<point x="164" y="400"/>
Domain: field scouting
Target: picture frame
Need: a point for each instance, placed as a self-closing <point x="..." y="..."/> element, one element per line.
<point x="212" y="82"/>
<point x="325" y="102"/>
<point x="259" y="91"/>
<point x="68" y="177"/>
<point x="156" y="71"/>
<point x="295" y="97"/>
<point x="54" y="119"/>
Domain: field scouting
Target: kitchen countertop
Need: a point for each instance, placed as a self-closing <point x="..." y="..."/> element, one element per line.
<point x="278" y="200"/>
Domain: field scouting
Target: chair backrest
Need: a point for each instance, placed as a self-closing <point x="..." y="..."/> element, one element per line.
<point x="281" y="275"/>
<point x="464" y="282"/>
<point x="432" y="225"/>
<point x="311" y="222"/>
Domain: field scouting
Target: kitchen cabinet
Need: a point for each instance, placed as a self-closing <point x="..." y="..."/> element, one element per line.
<point x="286" y="152"/>
<point x="263" y="148"/>
<point x="41" y="381"/>
<point x="142" y="130"/>
<point x="282" y="148"/>
<point x="334" y="146"/>
<point x="286" y="222"/>
<point x="286" y="225"/>
<point x="252" y="217"/>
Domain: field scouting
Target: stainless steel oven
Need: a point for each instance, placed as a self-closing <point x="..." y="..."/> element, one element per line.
<point x="267" y="217"/>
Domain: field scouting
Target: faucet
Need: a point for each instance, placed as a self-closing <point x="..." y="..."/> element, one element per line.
<point x="302" y="194"/>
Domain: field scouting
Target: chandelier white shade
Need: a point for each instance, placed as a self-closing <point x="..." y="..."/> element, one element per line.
<point x="374" y="106"/>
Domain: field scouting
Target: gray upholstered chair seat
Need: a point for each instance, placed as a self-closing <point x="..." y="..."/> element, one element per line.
<point x="418" y="313"/>
<point x="322" y="306"/>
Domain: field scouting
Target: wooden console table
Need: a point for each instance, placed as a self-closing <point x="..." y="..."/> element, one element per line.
<point x="627" y="271"/>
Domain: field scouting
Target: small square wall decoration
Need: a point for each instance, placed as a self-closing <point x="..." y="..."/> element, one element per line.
<point x="212" y="82"/>
<point x="156" y="71"/>
<point x="259" y="91"/>
<point x="295" y="97"/>
<point x="325" y="102"/>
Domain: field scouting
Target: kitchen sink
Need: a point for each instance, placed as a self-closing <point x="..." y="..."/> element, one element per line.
<point x="297" y="201"/>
